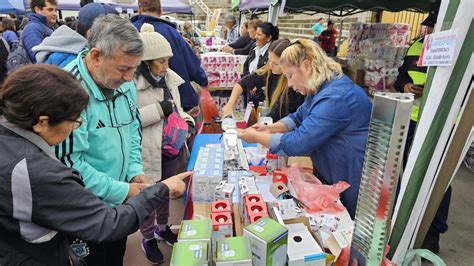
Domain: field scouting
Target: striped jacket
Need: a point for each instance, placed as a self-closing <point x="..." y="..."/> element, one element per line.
<point x="42" y="201"/>
<point x="106" y="149"/>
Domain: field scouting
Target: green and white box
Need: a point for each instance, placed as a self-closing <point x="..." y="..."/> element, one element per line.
<point x="234" y="251"/>
<point x="303" y="250"/>
<point x="192" y="230"/>
<point x="269" y="242"/>
<point x="190" y="253"/>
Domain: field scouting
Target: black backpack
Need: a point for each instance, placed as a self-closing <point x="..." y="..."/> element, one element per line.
<point x="18" y="57"/>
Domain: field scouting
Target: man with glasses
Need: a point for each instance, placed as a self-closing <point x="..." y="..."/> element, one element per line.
<point x="106" y="148"/>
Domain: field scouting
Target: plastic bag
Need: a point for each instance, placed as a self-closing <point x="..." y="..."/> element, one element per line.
<point x="313" y="193"/>
<point x="413" y="258"/>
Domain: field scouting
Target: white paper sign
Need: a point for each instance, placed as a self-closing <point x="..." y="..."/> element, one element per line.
<point x="438" y="48"/>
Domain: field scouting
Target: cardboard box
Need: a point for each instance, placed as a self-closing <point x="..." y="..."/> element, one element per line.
<point x="201" y="210"/>
<point x="234" y="251"/>
<point x="190" y="253"/>
<point x="269" y="242"/>
<point x="224" y="191"/>
<point x="303" y="161"/>
<point x="238" y="228"/>
<point x="356" y="75"/>
<point x="222" y="225"/>
<point x="302" y="248"/>
<point x="193" y="230"/>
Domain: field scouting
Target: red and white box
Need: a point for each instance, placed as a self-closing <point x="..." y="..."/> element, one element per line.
<point x="222" y="225"/>
<point x="220" y="206"/>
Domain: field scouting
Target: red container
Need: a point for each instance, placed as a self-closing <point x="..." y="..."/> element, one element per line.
<point x="278" y="176"/>
<point x="220" y="206"/>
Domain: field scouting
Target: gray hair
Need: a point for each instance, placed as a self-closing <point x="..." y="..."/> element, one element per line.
<point x="111" y="32"/>
<point x="231" y="18"/>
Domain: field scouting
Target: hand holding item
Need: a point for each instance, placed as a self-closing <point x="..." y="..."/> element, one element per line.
<point x="227" y="110"/>
<point x="227" y="49"/>
<point x="135" y="188"/>
<point x="411" y="88"/>
<point x="175" y="183"/>
<point x="167" y="107"/>
<point x="248" y="135"/>
<point x="140" y="179"/>
<point x="260" y="127"/>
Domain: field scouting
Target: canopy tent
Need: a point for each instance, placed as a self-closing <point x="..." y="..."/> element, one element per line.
<point x="15" y="6"/>
<point x="348" y="7"/>
<point x="253" y="5"/>
<point x="169" y="6"/>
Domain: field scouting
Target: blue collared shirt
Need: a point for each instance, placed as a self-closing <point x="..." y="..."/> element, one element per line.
<point x="332" y="128"/>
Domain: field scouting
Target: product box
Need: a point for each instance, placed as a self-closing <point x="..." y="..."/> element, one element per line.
<point x="233" y="178"/>
<point x="234" y="251"/>
<point x="252" y="200"/>
<point x="190" y="253"/>
<point x="220" y="206"/>
<point x="222" y="225"/>
<point x="192" y="230"/>
<point x="255" y="211"/>
<point x="269" y="242"/>
<point x="302" y="248"/>
<point x="224" y="191"/>
<point x="208" y="173"/>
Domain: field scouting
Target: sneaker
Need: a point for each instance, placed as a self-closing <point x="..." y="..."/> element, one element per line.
<point x="167" y="235"/>
<point x="152" y="252"/>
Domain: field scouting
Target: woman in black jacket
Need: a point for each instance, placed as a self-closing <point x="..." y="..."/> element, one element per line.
<point x="42" y="201"/>
<point x="280" y="100"/>
<point x="258" y="56"/>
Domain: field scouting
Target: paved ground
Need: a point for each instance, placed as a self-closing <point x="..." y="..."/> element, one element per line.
<point x="457" y="245"/>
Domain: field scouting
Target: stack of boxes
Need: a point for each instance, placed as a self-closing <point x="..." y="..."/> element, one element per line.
<point x="234" y="251"/>
<point x="194" y="243"/>
<point x="208" y="173"/>
<point x="379" y="49"/>
<point x="254" y="208"/>
<point x="221" y="216"/>
<point x="233" y="178"/>
<point x="223" y="70"/>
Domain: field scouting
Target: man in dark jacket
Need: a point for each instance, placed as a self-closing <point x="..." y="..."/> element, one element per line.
<point x="3" y="59"/>
<point x="184" y="62"/>
<point x="40" y="24"/>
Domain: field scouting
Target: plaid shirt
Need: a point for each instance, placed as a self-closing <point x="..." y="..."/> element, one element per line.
<point x="233" y="35"/>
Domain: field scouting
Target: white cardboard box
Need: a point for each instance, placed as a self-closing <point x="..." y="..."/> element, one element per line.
<point x="302" y="248"/>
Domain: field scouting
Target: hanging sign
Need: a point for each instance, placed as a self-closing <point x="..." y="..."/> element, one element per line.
<point x="438" y="48"/>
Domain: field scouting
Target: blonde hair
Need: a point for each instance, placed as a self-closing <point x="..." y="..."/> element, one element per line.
<point x="187" y="25"/>
<point x="281" y="90"/>
<point x="323" y="67"/>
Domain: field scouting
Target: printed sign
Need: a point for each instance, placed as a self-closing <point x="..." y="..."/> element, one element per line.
<point x="438" y="48"/>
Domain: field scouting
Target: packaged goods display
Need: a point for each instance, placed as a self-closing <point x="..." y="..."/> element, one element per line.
<point x="208" y="173"/>
<point x="223" y="70"/>
<point x="379" y="49"/>
<point x="195" y="253"/>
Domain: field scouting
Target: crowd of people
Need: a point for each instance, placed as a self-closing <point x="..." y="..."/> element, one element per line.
<point x="86" y="158"/>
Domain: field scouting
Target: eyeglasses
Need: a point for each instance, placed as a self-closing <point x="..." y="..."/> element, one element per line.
<point x="131" y="118"/>
<point x="76" y="123"/>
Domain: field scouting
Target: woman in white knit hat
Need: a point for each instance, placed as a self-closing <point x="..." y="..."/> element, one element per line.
<point x="157" y="98"/>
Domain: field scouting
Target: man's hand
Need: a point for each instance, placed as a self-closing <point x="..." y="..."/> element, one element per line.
<point x="411" y="88"/>
<point x="135" y="188"/>
<point x="140" y="179"/>
<point x="175" y="183"/>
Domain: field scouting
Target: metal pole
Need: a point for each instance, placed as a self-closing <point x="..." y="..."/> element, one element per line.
<point x="273" y="11"/>
<point x="339" y="37"/>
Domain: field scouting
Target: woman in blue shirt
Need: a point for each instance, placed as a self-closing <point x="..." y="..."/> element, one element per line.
<point x="331" y="125"/>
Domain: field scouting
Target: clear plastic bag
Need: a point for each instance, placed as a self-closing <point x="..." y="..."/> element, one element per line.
<point x="414" y="256"/>
<point x="313" y="193"/>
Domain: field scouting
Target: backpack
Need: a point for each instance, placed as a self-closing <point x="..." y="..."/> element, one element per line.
<point x="175" y="130"/>
<point x="18" y="57"/>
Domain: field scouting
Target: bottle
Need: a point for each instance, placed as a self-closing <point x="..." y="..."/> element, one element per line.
<point x="259" y="109"/>
<point x="207" y="128"/>
<point x="253" y="116"/>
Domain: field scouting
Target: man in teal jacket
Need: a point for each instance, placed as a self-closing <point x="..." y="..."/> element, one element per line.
<point x="106" y="149"/>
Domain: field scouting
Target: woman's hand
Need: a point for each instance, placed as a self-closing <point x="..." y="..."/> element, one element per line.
<point x="175" y="183"/>
<point x="227" y="110"/>
<point x="248" y="135"/>
<point x="264" y="128"/>
<point x="253" y="91"/>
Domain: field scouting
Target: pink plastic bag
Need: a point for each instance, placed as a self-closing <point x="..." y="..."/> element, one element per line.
<point x="313" y="193"/>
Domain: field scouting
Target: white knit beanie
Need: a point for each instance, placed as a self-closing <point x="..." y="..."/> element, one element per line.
<point x="155" y="45"/>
